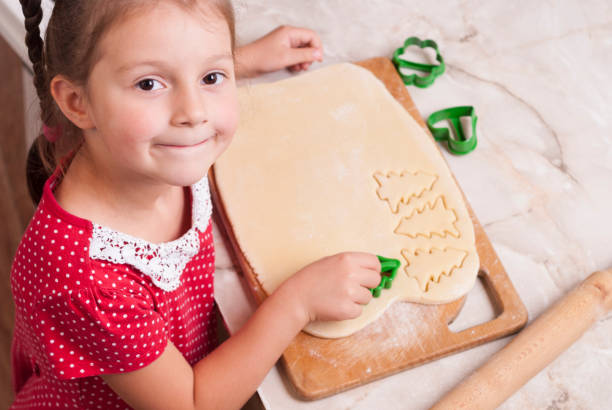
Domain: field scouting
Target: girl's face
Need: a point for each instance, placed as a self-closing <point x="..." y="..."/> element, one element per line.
<point x="162" y="97"/>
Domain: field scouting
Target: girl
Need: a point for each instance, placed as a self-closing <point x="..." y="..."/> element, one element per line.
<point x="113" y="279"/>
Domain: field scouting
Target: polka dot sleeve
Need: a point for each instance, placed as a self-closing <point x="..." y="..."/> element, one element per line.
<point x="94" y="331"/>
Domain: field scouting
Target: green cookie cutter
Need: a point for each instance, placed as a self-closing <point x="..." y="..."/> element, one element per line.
<point x="388" y="271"/>
<point x="457" y="142"/>
<point x="434" y="70"/>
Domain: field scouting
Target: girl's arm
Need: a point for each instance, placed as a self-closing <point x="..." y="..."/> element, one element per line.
<point x="286" y="47"/>
<point x="334" y="288"/>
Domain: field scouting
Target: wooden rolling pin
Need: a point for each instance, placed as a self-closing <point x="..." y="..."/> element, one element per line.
<point x="534" y="348"/>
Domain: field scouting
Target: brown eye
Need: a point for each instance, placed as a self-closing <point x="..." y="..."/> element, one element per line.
<point x="213" y="78"/>
<point x="148" y="84"/>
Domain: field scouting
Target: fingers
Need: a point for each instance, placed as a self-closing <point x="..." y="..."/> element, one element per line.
<point x="352" y="311"/>
<point x="363" y="268"/>
<point x="362" y="296"/>
<point x="365" y="274"/>
<point x="296" y="57"/>
<point x="305" y="47"/>
<point x="303" y="37"/>
<point x="366" y="260"/>
<point x="368" y="274"/>
<point x="299" y="67"/>
<point x="369" y="278"/>
<point x="337" y="287"/>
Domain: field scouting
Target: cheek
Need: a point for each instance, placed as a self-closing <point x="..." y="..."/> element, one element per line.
<point x="120" y="116"/>
<point x="134" y="122"/>
<point x="226" y="116"/>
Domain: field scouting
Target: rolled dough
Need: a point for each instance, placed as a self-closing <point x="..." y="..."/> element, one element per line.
<point x="329" y="162"/>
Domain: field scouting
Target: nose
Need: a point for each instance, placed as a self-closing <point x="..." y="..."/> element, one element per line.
<point x="189" y="107"/>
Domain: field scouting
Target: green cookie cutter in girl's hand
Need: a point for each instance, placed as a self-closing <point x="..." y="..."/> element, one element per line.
<point x="388" y="270"/>
<point x="458" y="144"/>
<point x="434" y="70"/>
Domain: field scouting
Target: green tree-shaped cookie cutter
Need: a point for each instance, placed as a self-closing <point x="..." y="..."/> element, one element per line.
<point x="388" y="271"/>
<point x="434" y="70"/>
<point x="458" y="144"/>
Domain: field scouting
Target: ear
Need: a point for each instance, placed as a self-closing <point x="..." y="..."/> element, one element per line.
<point x="72" y="100"/>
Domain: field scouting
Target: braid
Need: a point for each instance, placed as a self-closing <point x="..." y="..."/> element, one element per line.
<point x="33" y="14"/>
<point x="41" y="156"/>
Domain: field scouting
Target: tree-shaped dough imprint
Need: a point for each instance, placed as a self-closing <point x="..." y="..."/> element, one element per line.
<point x="428" y="266"/>
<point x="429" y="221"/>
<point x="400" y="188"/>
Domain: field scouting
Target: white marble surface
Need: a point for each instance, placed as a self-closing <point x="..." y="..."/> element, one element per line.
<point x="540" y="181"/>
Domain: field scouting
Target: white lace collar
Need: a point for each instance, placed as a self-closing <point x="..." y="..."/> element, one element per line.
<point x="163" y="262"/>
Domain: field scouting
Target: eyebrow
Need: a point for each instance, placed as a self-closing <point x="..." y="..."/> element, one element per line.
<point x="162" y="64"/>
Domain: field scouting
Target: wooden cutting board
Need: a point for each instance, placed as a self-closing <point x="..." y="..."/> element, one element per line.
<point x="407" y="334"/>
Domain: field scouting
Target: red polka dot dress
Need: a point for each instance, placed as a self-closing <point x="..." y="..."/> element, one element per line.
<point x="92" y="301"/>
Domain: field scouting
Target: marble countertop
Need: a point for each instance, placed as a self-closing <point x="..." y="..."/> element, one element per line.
<point x="540" y="181"/>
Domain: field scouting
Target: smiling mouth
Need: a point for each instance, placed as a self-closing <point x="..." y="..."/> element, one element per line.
<point x="197" y="144"/>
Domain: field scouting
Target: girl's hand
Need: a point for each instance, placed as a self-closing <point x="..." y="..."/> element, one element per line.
<point x="335" y="287"/>
<point x="288" y="47"/>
